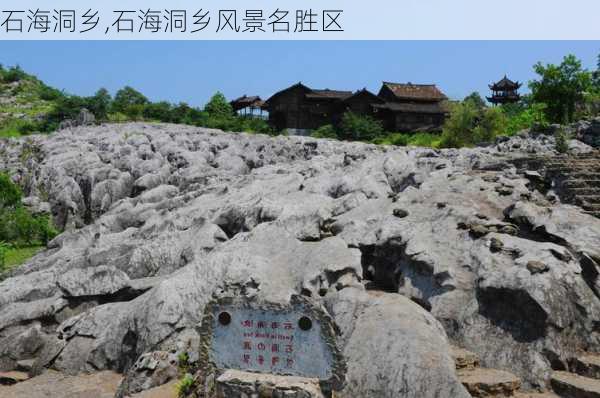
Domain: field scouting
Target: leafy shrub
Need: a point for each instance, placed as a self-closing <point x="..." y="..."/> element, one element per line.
<point x="134" y="111"/>
<point x="14" y="74"/>
<point x="17" y="225"/>
<point x="326" y="131"/>
<point x="10" y="194"/>
<point x="67" y="107"/>
<point x="561" y="144"/>
<point x="255" y="125"/>
<point x="48" y="93"/>
<point x="458" y="128"/>
<point x="425" y="140"/>
<point x="185" y="385"/>
<point x="525" y="118"/>
<point x="359" y="127"/>
<point x="490" y="124"/>
<point x="468" y="125"/>
<point x="4" y="248"/>
<point x="183" y="360"/>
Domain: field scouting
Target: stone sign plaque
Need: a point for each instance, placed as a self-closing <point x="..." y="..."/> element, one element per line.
<point x="295" y="340"/>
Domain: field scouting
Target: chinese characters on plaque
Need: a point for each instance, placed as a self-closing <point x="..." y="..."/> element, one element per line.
<point x="268" y="343"/>
<point x="278" y="341"/>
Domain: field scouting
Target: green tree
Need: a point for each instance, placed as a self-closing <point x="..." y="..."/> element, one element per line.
<point x="67" y="107"/>
<point x="218" y="106"/>
<point x="491" y="123"/>
<point x="468" y="125"/>
<point x="126" y="100"/>
<point x="359" y="127"/>
<point x="14" y="74"/>
<point x="476" y="99"/>
<point x="49" y="93"/>
<point x="561" y="87"/>
<point x="596" y="76"/>
<point x="99" y="104"/>
<point x="10" y="194"/>
<point x="458" y="128"/>
<point x="179" y="112"/>
<point x="158" y="111"/>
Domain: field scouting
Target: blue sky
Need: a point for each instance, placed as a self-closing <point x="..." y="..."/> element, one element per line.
<point x="192" y="71"/>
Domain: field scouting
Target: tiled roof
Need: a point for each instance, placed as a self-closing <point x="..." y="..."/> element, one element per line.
<point x="326" y="93"/>
<point x="415" y="91"/>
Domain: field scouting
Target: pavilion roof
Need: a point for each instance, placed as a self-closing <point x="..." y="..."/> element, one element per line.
<point x="505" y="84"/>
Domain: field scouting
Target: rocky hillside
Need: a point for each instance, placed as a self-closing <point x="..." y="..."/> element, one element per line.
<point x="407" y="249"/>
<point x="25" y="102"/>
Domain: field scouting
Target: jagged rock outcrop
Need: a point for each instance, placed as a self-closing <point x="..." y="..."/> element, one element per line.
<point x="160" y="219"/>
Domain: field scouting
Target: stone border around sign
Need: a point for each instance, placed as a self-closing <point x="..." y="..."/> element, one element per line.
<point x="208" y="368"/>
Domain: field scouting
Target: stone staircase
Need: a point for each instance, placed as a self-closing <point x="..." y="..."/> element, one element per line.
<point x="575" y="178"/>
<point x="582" y="381"/>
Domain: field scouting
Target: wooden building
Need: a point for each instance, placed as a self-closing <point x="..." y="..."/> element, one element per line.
<point x="362" y="102"/>
<point x="411" y="107"/>
<point x="504" y="91"/>
<point x="248" y="105"/>
<point x="302" y="109"/>
<point x="400" y="107"/>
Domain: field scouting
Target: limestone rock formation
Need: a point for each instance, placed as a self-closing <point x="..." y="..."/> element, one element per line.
<point x="406" y="248"/>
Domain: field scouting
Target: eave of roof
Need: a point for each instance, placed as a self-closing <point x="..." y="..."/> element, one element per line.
<point x="437" y="108"/>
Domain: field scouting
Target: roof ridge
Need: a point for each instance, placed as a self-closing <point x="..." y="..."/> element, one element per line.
<point x="412" y="84"/>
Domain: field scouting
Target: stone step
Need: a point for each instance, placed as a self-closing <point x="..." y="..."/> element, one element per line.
<point x="570" y="385"/>
<point x="585" y="176"/>
<point x="569" y="169"/>
<point x="587" y="365"/>
<point x="593" y="213"/>
<point x="595" y="207"/>
<point x="585" y="191"/>
<point x="482" y="382"/>
<point x="25" y="365"/>
<point x="464" y="359"/>
<point x="574" y="183"/>
<point x="591" y="199"/>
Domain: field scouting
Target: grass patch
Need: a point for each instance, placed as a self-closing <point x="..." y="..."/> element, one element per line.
<point x="406" y="139"/>
<point x="9" y="132"/>
<point x="15" y="256"/>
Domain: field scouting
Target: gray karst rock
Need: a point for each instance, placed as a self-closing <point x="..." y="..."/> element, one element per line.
<point x="85" y="118"/>
<point x="407" y="249"/>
